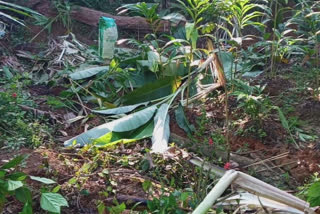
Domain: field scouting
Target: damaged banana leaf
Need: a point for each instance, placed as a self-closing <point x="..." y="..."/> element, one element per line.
<point x="152" y="121"/>
<point x="120" y="110"/>
<point x="161" y="133"/>
<point x="113" y="138"/>
<point x="124" y="124"/>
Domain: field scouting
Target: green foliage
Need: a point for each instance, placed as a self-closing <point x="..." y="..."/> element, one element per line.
<point x="243" y="13"/>
<point x="18" y="127"/>
<point x="120" y="110"/>
<point x="12" y="117"/>
<point x="170" y="204"/>
<point x="307" y="19"/>
<point x="294" y="125"/>
<point x="219" y="140"/>
<point x="149" y="11"/>
<point x="314" y="194"/>
<point x="195" y="8"/>
<point x="152" y="91"/>
<point x="52" y="202"/>
<point x="253" y="102"/>
<point x="154" y="73"/>
<point x="202" y="121"/>
<point x="311" y="191"/>
<point x="117" y="209"/>
<point x="258" y="107"/>
<point x="13" y="183"/>
<point x="64" y="13"/>
<point x="63" y="16"/>
<point x="128" y="123"/>
<point x="183" y="121"/>
<point x="107" y="6"/>
<point x="86" y="72"/>
<point x="253" y="62"/>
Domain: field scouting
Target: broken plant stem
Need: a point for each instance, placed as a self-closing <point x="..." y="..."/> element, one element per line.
<point x="253" y="185"/>
<point x="79" y="98"/>
<point x="227" y="112"/>
<point x="317" y="71"/>
<point x="44" y="28"/>
<point x="216" y="192"/>
<point x="201" y="94"/>
<point x="227" y="122"/>
<point x="186" y="84"/>
<point x="278" y="166"/>
<point x="269" y="159"/>
<point x="189" y="76"/>
<point x="83" y="106"/>
<point x="274" y="48"/>
<point x="90" y="83"/>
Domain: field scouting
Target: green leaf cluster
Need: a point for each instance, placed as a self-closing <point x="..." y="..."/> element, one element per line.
<point x="314" y="194"/>
<point x="13" y="183"/>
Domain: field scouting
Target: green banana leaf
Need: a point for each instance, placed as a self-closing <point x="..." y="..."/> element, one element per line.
<point x="120" y="110"/>
<point x="161" y="132"/>
<point x="174" y="18"/>
<point x="175" y="69"/>
<point x="124" y="124"/>
<point x="87" y="72"/>
<point x="11" y="18"/>
<point x="151" y="91"/>
<point x="20" y="7"/>
<point x="182" y="121"/>
<point x="113" y="138"/>
<point x="227" y="59"/>
<point x="139" y="79"/>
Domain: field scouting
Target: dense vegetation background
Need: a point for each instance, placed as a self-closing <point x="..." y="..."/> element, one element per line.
<point x="193" y="84"/>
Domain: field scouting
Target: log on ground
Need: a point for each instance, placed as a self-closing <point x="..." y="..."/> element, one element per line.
<point x="91" y="17"/>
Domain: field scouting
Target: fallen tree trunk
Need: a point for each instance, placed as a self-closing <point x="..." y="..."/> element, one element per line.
<point x="91" y="17"/>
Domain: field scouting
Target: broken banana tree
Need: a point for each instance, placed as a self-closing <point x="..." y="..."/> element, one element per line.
<point x="151" y="121"/>
<point x="266" y="195"/>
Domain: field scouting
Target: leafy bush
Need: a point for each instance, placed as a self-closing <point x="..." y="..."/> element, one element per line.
<point x="175" y="203"/>
<point x="311" y="191"/>
<point x="17" y="127"/>
<point x="314" y="194"/>
<point x="243" y="13"/>
<point x="13" y="184"/>
<point x="251" y="100"/>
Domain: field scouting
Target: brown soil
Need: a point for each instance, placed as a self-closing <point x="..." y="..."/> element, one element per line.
<point x="58" y="30"/>
<point x="62" y="165"/>
<point x="276" y="86"/>
<point x="174" y="128"/>
<point x="41" y="90"/>
<point x="310" y="110"/>
<point x="300" y="164"/>
<point x="308" y="162"/>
